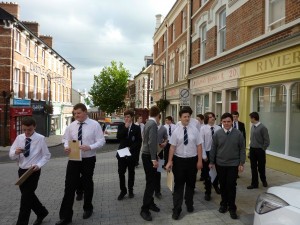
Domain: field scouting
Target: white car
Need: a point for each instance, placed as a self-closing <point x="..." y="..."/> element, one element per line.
<point x="110" y="132"/>
<point x="280" y="205"/>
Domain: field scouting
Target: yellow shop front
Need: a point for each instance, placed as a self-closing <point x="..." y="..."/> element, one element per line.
<point x="270" y="85"/>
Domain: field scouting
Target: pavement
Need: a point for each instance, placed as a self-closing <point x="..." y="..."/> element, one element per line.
<point x="108" y="210"/>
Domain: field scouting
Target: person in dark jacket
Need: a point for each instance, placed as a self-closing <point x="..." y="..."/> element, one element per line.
<point x="129" y="135"/>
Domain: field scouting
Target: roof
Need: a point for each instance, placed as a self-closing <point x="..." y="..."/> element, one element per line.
<point x="4" y="15"/>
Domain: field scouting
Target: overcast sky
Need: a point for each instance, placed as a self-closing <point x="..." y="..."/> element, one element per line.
<point x="90" y="34"/>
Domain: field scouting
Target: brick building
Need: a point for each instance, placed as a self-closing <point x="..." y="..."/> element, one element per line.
<point x="34" y="79"/>
<point x="240" y="55"/>
<point x="171" y="54"/>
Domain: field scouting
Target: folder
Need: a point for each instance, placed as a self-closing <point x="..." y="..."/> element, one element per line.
<point x="75" y="153"/>
<point x="24" y="176"/>
<point x="170" y="180"/>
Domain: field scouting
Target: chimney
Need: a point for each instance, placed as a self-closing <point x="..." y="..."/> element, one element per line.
<point x="32" y="26"/>
<point x="10" y="7"/>
<point x="47" y="40"/>
<point x="158" y="21"/>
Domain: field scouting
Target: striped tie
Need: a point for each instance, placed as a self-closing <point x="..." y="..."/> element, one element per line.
<point x="185" y="137"/>
<point x="27" y="147"/>
<point x="80" y="133"/>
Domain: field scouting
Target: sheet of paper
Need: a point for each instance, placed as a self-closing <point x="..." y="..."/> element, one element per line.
<point x="75" y="153"/>
<point x="170" y="180"/>
<point x="212" y="174"/>
<point x="161" y="162"/>
<point x="124" y="152"/>
<point x="24" y="176"/>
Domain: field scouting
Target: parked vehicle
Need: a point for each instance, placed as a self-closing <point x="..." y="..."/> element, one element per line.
<point x="280" y="205"/>
<point x="111" y="130"/>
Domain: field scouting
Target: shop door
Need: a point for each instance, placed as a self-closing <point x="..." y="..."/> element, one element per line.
<point x="233" y="106"/>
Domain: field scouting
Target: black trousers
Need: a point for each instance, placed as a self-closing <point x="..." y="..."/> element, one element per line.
<point x="150" y="174"/>
<point x="205" y="175"/>
<point x="227" y="178"/>
<point x="29" y="201"/>
<point x="79" y="190"/>
<point x="185" y="172"/>
<point x="137" y="156"/>
<point x="258" y="162"/>
<point x="166" y="153"/>
<point x="124" y="163"/>
<point x="74" y="169"/>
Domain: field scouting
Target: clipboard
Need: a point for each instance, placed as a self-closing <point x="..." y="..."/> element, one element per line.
<point x="24" y="176"/>
<point x="75" y="153"/>
<point x="170" y="180"/>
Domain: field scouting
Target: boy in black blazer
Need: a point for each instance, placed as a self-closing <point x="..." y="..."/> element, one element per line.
<point x="129" y="135"/>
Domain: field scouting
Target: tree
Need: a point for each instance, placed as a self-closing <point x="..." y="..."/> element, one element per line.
<point x="110" y="87"/>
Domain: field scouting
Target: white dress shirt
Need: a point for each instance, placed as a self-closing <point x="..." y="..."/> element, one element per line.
<point x="39" y="153"/>
<point x="142" y="126"/>
<point x="92" y="135"/>
<point x="173" y="126"/>
<point x="194" y="139"/>
<point x="207" y="138"/>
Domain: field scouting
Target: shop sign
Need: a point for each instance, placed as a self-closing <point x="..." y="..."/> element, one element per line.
<point x="216" y="78"/>
<point x="24" y="102"/>
<point x="22" y="111"/>
<point x="37" y="106"/>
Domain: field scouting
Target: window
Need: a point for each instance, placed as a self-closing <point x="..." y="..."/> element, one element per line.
<point x="18" y="41"/>
<point x="63" y="93"/>
<point x="43" y="57"/>
<point x="172" y="72"/>
<point x="222" y="31"/>
<point x="27" y="47"/>
<point x="270" y="103"/>
<point x="36" y="53"/>
<point x="183" y="21"/>
<point x="42" y="88"/>
<point x="173" y="32"/>
<point x="202" y="104"/>
<point x="151" y="84"/>
<point x="165" y="40"/>
<point x="54" y="92"/>
<point x="203" y="30"/>
<point x="275" y="15"/>
<point x="156" y="78"/>
<point x="295" y="118"/>
<point x="58" y="92"/>
<point x="50" y="62"/>
<point x="26" y="84"/>
<point x="35" y="87"/>
<point x="203" y="2"/>
<point x="182" y="65"/>
<point x="16" y="83"/>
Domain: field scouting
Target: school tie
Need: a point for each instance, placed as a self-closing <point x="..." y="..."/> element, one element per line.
<point x="212" y="131"/>
<point x="185" y="136"/>
<point x="80" y="133"/>
<point x="234" y="124"/>
<point x="170" y="133"/>
<point x="228" y="132"/>
<point x="27" y="147"/>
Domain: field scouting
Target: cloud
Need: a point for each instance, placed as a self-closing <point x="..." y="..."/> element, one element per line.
<point x="90" y="34"/>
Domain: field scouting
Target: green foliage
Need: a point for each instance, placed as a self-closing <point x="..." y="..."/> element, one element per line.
<point x="110" y="87"/>
<point x="162" y="104"/>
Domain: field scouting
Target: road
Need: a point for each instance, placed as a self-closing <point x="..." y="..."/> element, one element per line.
<point x="57" y="151"/>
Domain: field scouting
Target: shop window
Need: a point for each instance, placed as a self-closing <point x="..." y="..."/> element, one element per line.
<point x="294" y="148"/>
<point x="234" y="95"/>
<point x="202" y="104"/>
<point x="270" y="103"/>
<point x="275" y="14"/>
<point x="219" y="97"/>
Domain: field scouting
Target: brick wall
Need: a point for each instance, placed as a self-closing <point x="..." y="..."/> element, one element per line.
<point x="12" y="8"/>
